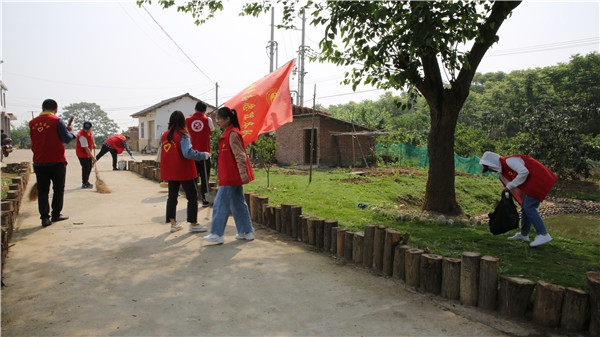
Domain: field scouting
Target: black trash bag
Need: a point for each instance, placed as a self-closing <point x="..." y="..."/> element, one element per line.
<point x="505" y="217"/>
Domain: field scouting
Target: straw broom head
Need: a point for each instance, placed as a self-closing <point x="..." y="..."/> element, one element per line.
<point x="33" y="192"/>
<point x="101" y="186"/>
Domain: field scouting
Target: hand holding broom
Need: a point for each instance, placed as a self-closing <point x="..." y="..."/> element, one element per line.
<point x="33" y="193"/>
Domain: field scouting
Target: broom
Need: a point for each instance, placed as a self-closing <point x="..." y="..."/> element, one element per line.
<point x="33" y="193"/>
<point x="101" y="186"/>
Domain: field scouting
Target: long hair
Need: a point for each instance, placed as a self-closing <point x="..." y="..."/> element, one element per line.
<point x="225" y="112"/>
<point x="176" y="124"/>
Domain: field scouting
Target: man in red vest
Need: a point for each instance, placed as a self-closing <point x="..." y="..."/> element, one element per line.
<point x="199" y="126"/>
<point x="529" y="182"/>
<point x="85" y="142"/>
<point x="48" y="135"/>
<point x="115" y="145"/>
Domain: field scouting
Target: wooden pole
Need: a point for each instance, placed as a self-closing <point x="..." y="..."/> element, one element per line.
<point x="488" y="282"/>
<point x="310" y="230"/>
<point x="357" y="247"/>
<point x="399" y="262"/>
<point x="319" y="233"/>
<point x="469" y="278"/>
<point x="278" y="218"/>
<point x="368" y="245"/>
<point x="328" y="225"/>
<point x="286" y="219"/>
<point x="575" y="309"/>
<point x="296" y="212"/>
<point x="378" y="246"/>
<point x="341" y="234"/>
<point x="431" y="273"/>
<point x="413" y="267"/>
<point x="593" y="280"/>
<point x="392" y="237"/>
<point x="450" y="278"/>
<point x="348" y="242"/>
<point x="548" y="303"/>
<point x="514" y="296"/>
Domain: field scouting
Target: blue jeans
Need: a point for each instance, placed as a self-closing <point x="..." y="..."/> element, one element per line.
<point x="531" y="216"/>
<point x="230" y="200"/>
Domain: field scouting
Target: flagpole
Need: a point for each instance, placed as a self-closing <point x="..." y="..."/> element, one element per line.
<point x="312" y="134"/>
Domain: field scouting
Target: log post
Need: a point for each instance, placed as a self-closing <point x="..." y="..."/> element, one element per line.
<point x="593" y="281"/>
<point x="310" y="225"/>
<point x="574" y="309"/>
<point x="378" y="246"/>
<point x="258" y="207"/>
<point x="329" y="224"/>
<point x="399" y="261"/>
<point x="392" y="237"/>
<point x="341" y="234"/>
<point x="548" y="303"/>
<point x="368" y="246"/>
<point x="265" y="215"/>
<point x="469" y="278"/>
<point x="319" y="233"/>
<point x="304" y="225"/>
<point x="450" y="278"/>
<point x="278" y="218"/>
<point x="286" y="219"/>
<point x="514" y="296"/>
<point x="247" y="197"/>
<point x="348" y="245"/>
<point x="357" y="247"/>
<point x="431" y="273"/>
<point x="296" y="212"/>
<point x="413" y="266"/>
<point x="271" y="216"/>
<point x="488" y="282"/>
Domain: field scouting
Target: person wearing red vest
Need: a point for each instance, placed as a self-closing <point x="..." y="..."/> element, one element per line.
<point x="234" y="170"/>
<point x="178" y="169"/>
<point x="85" y="142"/>
<point x="529" y="182"/>
<point x="48" y="135"/>
<point x="200" y="127"/>
<point x="115" y="145"/>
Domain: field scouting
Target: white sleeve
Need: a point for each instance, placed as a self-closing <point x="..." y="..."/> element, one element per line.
<point x="83" y="141"/>
<point x="518" y="165"/>
<point x="211" y="125"/>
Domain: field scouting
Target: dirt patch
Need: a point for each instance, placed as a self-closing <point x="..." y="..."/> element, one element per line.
<point x="393" y="171"/>
<point x="410" y="200"/>
<point x="355" y="180"/>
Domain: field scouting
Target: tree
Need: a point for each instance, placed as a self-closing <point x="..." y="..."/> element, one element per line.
<point x="264" y="149"/>
<point x="20" y="135"/>
<point x="392" y="44"/>
<point x="103" y="127"/>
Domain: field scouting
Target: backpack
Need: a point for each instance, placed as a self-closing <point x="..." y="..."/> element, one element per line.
<point x="505" y="216"/>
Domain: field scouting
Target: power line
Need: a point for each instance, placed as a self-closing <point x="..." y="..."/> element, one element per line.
<point x="548" y="46"/>
<point x="184" y="53"/>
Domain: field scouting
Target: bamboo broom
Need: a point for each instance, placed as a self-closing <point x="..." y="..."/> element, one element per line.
<point x="101" y="186"/>
<point x="33" y="193"/>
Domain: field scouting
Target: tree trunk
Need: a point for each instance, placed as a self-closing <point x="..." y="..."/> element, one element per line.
<point x="357" y="247"/>
<point x="488" y="282"/>
<point x="469" y="278"/>
<point x="368" y="245"/>
<point x="548" y="303"/>
<point x="575" y="309"/>
<point x="431" y="273"/>
<point x="450" y="278"/>
<point x="439" y="194"/>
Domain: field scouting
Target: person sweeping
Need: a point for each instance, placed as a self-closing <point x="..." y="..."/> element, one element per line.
<point x="177" y="168"/>
<point x="85" y="142"/>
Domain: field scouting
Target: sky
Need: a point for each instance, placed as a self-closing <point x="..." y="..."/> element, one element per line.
<point x="126" y="58"/>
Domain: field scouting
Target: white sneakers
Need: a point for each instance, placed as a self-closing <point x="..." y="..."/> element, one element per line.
<point x="198" y="228"/>
<point x="176" y="228"/>
<point x="538" y="241"/>
<point x="519" y="236"/>
<point x="214" y="238"/>
<point x="245" y="236"/>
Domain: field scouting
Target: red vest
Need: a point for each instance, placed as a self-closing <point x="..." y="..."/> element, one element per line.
<point x="79" y="150"/>
<point x="46" y="144"/>
<point x="197" y="126"/>
<point x="228" y="170"/>
<point x="173" y="165"/>
<point x="116" y="142"/>
<point x="538" y="183"/>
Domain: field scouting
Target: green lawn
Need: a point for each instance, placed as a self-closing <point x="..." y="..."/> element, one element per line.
<point x="335" y="194"/>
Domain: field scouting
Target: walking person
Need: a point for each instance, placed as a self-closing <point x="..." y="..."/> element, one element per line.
<point x="529" y="182"/>
<point x="178" y="169"/>
<point x="115" y="145"/>
<point x="49" y="134"/>
<point x="200" y="127"/>
<point x="85" y="142"/>
<point x="234" y="170"/>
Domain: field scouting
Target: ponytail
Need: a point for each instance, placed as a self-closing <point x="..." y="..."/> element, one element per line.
<point x="225" y="112"/>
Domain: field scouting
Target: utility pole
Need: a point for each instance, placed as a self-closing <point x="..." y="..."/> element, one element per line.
<point x="216" y="95"/>
<point x="301" y="54"/>
<point x="272" y="41"/>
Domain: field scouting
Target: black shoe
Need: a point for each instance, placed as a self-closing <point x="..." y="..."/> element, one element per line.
<point x="205" y="203"/>
<point x="59" y="218"/>
<point x="115" y="169"/>
<point x="46" y="222"/>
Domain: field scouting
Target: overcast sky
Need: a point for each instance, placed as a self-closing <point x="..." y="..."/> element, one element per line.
<point x="114" y="54"/>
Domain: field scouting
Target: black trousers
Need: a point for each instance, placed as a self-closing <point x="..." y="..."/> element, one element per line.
<point x="113" y="152"/>
<point x="86" y="169"/>
<point x="44" y="175"/>
<point x="203" y="169"/>
<point x="191" y="194"/>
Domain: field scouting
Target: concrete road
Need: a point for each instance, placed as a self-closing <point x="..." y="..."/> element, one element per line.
<point x="113" y="268"/>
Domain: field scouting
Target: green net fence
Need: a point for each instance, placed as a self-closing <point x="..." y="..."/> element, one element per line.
<point x="413" y="156"/>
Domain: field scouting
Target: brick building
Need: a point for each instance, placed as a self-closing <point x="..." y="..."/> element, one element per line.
<point x="337" y="142"/>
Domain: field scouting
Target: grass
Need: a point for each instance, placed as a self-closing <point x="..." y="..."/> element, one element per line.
<point x="388" y="193"/>
<point x="5" y="180"/>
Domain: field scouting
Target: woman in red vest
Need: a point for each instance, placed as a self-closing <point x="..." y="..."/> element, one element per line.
<point x="177" y="167"/>
<point x="85" y="142"/>
<point x="200" y="127"/>
<point x="529" y="182"/>
<point x="234" y="171"/>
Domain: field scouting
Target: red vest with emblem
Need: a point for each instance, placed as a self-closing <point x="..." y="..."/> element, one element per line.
<point x="197" y="126"/>
<point x="116" y="142"/>
<point x="173" y="165"/>
<point x="228" y="170"/>
<point x="46" y="144"/>
<point x="79" y="150"/>
<point x="538" y="183"/>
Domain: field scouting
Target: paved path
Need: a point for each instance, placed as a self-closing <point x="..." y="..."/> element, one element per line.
<point x="113" y="268"/>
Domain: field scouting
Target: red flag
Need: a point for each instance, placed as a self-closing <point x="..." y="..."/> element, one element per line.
<point x="265" y="105"/>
